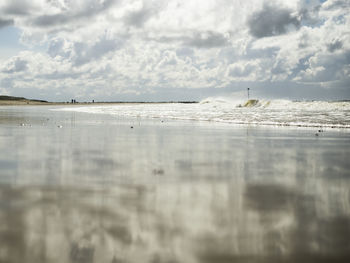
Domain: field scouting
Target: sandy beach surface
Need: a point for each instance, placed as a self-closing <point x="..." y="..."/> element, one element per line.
<point x="79" y="187"/>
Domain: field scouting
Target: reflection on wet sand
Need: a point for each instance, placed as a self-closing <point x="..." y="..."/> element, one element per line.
<point x="166" y="223"/>
<point x="165" y="193"/>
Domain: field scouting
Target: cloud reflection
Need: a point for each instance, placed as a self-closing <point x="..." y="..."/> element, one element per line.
<point x="161" y="223"/>
<point x="169" y="193"/>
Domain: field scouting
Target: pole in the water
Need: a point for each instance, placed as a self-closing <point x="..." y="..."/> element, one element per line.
<point x="248" y="92"/>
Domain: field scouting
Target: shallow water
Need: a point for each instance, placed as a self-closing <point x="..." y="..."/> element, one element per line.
<point x="78" y="187"/>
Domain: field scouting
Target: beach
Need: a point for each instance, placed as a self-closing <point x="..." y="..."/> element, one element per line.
<point x="83" y="187"/>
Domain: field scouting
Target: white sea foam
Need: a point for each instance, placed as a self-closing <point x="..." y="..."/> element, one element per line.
<point x="256" y="112"/>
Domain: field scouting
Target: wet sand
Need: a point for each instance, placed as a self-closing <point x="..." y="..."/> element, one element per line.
<point x="76" y="187"/>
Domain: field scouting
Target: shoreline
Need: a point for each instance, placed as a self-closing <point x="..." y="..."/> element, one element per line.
<point x="32" y="102"/>
<point x="69" y="107"/>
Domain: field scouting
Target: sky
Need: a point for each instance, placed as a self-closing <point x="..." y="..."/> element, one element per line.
<point x="154" y="50"/>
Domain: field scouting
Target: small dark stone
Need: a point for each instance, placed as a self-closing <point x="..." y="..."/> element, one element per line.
<point x="131" y="127"/>
<point x="158" y="171"/>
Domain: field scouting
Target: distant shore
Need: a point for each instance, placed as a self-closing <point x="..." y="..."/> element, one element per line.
<point x="10" y="100"/>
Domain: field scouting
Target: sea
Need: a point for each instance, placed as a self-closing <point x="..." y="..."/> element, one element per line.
<point x="321" y="114"/>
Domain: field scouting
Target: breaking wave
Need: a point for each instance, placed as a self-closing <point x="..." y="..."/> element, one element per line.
<point x="251" y="112"/>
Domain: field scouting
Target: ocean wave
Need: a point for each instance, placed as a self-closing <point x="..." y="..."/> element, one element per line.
<point x="251" y="112"/>
<point x="280" y="104"/>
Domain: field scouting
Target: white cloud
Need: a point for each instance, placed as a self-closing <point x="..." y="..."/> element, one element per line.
<point x="107" y="48"/>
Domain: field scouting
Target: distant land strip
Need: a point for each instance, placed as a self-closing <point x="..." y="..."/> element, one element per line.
<point x="11" y="100"/>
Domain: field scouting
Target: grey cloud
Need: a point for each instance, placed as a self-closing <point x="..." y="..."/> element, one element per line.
<point x="206" y="39"/>
<point x="279" y="68"/>
<point x="264" y="53"/>
<point x="197" y="39"/>
<point x="69" y="16"/>
<point x="60" y="75"/>
<point x="18" y="7"/>
<point x="51" y="20"/>
<point x="337" y="4"/>
<point x="184" y="52"/>
<point x="6" y="22"/>
<point x="309" y="13"/>
<point x="164" y="39"/>
<point x="272" y="21"/>
<point x="17" y="65"/>
<point x="56" y="48"/>
<point x="85" y="53"/>
<point x="331" y="47"/>
<point x="245" y="71"/>
<point x="304" y="41"/>
<point x="334" y="68"/>
<point x="140" y="17"/>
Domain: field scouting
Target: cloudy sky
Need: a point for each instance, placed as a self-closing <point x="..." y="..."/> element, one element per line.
<point x="156" y="50"/>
